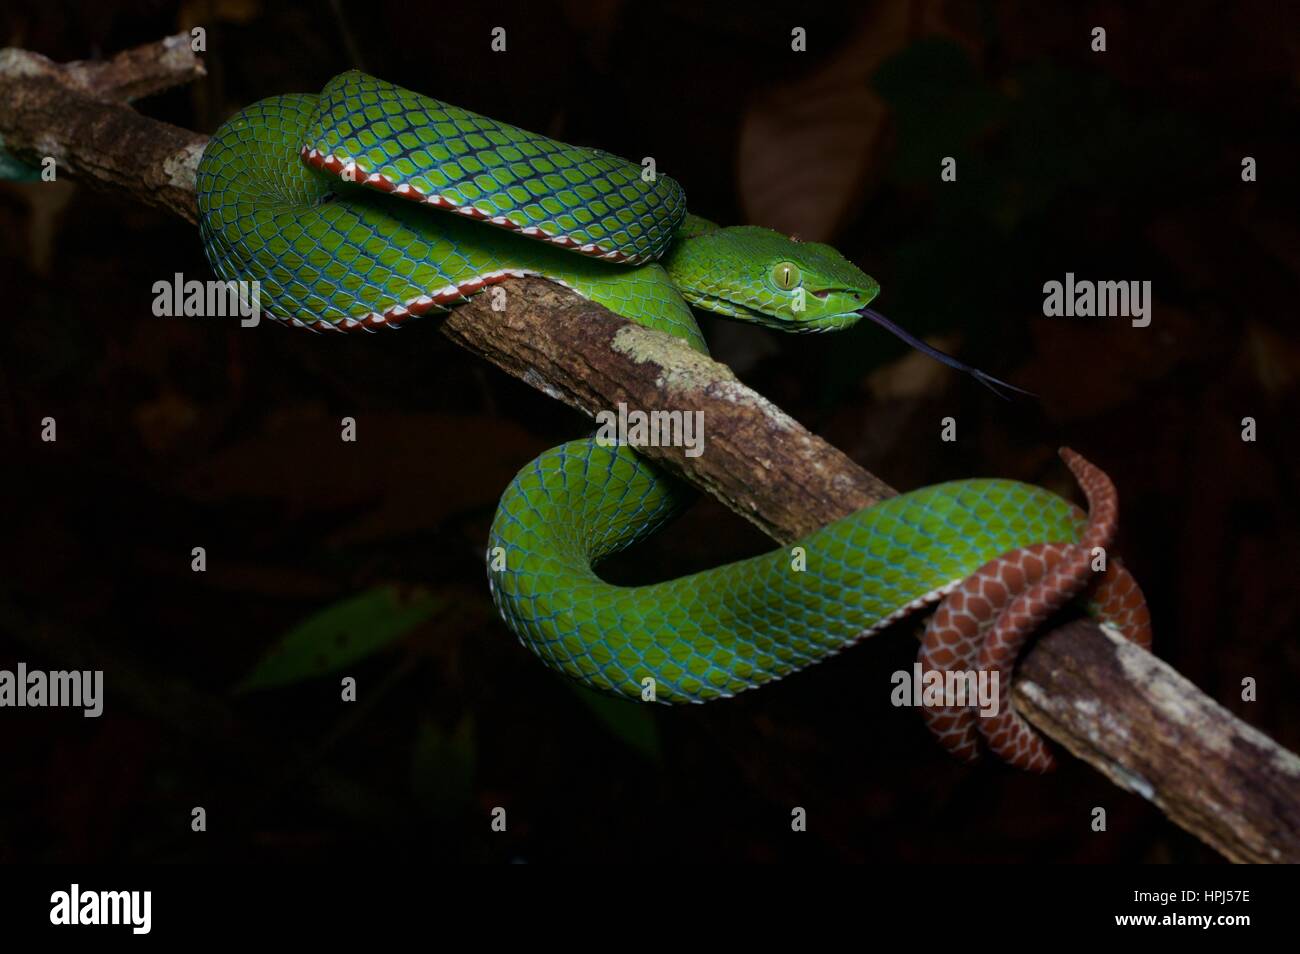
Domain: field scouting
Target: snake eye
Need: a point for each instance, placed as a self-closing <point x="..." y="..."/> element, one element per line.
<point x="786" y="275"/>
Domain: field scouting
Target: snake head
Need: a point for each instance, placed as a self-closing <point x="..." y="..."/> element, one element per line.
<point x="771" y="279"/>
<point x="756" y="274"/>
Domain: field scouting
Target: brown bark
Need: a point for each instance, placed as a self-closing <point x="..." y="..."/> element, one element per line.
<point x="1148" y="729"/>
<point x="77" y="114"/>
<point x="759" y="461"/>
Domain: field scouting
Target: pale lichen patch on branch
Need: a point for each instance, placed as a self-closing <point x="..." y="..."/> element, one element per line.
<point x="1149" y="729"/>
<point x="16" y="63"/>
<point x="182" y="167"/>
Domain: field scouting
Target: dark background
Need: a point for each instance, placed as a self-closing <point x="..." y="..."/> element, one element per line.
<point x="175" y="433"/>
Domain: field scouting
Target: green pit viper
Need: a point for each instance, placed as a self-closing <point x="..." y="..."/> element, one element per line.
<point x="304" y="194"/>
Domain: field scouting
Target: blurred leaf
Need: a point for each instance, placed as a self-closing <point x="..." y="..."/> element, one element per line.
<point x="442" y="766"/>
<point x="940" y="104"/>
<point x="1025" y="147"/>
<point x="13" y="169"/>
<point x="807" y="145"/>
<point x="340" y="635"/>
<point x="631" y="722"/>
<point x="468" y="458"/>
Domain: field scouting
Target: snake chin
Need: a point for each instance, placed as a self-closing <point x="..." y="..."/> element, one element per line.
<point x="799" y="323"/>
<point x="825" y="323"/>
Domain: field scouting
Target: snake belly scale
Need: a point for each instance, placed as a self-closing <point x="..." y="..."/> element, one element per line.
<point x="369" y="204"/>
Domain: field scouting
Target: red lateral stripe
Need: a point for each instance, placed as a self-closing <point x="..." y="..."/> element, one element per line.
<point x="399" y="314"/>
<point x="377" y="180"/>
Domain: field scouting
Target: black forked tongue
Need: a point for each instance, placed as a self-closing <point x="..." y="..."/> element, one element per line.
<point x="990" y="382"/>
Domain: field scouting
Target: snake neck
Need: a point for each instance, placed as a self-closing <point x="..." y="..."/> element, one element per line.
<point x="693" y="226"/>
<point x="701" y="276"/>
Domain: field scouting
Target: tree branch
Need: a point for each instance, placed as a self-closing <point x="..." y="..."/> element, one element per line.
<point x="1112" y="704"/>
<point x="592" y="359"/>
<point x="1147" y="728"/>
<point x="77" y="114"/>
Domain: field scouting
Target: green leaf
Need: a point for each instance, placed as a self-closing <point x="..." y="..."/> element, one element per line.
<point x="15" y="170"/>
<point x="341" y="635"/>
<point x="442" y="766"/>
<point x="631" y="722"/>
<point x="940" y="104"/>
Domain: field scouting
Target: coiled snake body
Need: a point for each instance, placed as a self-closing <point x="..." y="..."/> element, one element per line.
<point x="292" y="195"/>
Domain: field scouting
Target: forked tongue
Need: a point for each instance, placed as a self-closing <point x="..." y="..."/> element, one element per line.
<point x="990" y="382"/>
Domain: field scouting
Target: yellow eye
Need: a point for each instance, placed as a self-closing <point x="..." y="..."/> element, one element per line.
<point x="786" y="275"/>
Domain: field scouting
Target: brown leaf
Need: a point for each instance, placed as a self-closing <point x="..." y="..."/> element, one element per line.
<point x="408" y="472"/>
<point x="806" y="146"/>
